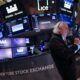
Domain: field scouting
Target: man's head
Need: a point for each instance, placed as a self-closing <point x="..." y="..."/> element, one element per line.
<point x="61" y="28"/>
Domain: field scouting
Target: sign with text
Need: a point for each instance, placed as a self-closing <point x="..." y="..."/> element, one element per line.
<point x="11" y="9"/>
<point x="40" y="67"/>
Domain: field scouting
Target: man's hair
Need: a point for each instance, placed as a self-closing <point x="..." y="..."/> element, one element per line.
<point x="58" y="26"/>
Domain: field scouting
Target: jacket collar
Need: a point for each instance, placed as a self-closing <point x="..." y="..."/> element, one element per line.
<point x="57" y="35"/>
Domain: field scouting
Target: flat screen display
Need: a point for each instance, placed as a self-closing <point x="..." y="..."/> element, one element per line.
<point x="12" y="9"/>
<point x="19" y="51"/>
<point x="5" y="42"/>
<point x="44" y="21"/>
<point x="5" y="53"/>
<point x="17" y="42"/>
<point x="66" y="6"/>
<point x="18" y="26"/>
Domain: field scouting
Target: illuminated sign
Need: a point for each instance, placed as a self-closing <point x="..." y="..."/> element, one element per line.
<point x="3" y="41"/>
<point x="44" y="4"/>
<point x="67" y="4"/>
<point x="20" y="49"/>
<point x="11" y="8"/>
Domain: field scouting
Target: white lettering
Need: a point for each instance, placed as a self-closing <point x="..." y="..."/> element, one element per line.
<point x="3" y="41"/>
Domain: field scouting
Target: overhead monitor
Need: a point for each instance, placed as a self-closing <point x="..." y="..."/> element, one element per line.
<point x="11" y="9"/>
<point x="18" y="26"/>
<point x="67" y="6"/>
<point x="5" y="42"/>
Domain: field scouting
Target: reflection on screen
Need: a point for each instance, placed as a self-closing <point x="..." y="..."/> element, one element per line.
<point x="19" y="51"/>
<point x="5" y="53"/>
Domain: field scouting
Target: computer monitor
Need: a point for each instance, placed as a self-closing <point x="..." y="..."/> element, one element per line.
<point x="66" y="6"/>
<point x="18" y="42"/>
<point x="5" y="42"/>
<point x="44" y="21"/>
<point x="18" y="26"/>
<point x="5" y="53"/>
<point x="12" y="9"/>
<point x="19" y="51"/>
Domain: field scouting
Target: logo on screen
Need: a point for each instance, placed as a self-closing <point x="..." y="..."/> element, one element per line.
<point x="3" y="41"/>
<point x="67" y="4"/>
<point x="20" y="50"/>
<point x="42" y="4"/>
<point x="12" y="8"/>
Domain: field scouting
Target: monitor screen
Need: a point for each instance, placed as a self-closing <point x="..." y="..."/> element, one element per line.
<point x="2" y="2"/>
<point x="5" y="53"/>
<point x="68" y="19"/>
<point x="19" y="51"/>
<point x="17" y="42"/>
<point x="66" y="6"/>
<point x="12" y="9"/>
<point x="5" y="42"/>
<point x="44" y="21"/>
<point x="18" y="26"/>
<point x="40" y="6"/>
